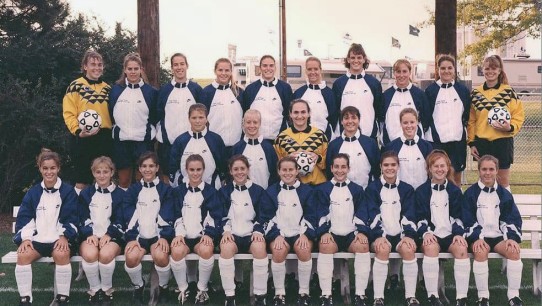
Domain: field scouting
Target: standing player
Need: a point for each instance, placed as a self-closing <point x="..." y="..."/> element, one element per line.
<point x="101" y="229"/>
<point x="271" y="97"/>
<point x="447" y="114"/>
<point x="174" y="99"/>
<point x="359" y="89"/>
<point x="494" y="226"/>
<point x="133" y="121"/>
<point x="88" y="92"/>
<point x="46" y="226"/>
<point x="342" y="228"/>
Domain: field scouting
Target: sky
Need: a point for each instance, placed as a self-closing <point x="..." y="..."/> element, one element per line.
<point x="202" y="29"/>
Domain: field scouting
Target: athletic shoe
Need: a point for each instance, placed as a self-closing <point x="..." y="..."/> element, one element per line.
<point x="279" y="300"/>
<point x="326" y="300"/>
<point x="259" y="300"/>
<point x="303" y="300"/>
<point x="25" y="301"/>
<point x="137" y="295"/>
<point x="94" y="297"/>
<point x="515" y="301"/>
<point x="62" y="299"/>
<point x="461" y="302"/>
<point x="163" y="293"/>
<point x="378" y="302"/>
<point x="483" y="302"/>
<point x="107" y="297"/>
<point x="183" y="296"/>
<point x="412" y="301"/>
<point x="434" y="301"/>
<point x="394" y="282"/>
<point x="202" y="297"/>
<point x="360" y="300"/>
<point x="230" y="301"/>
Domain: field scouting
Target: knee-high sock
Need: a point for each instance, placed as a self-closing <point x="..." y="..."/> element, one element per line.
<point x="178" y="268"/>
<point x="192" y="271"/>
<point x="513" y="273"/>
<point x="279" y="274"/>
<point x="260" y="270"/>
<point x="462" y="277"/>
<point x="304" y="275"/>
<point x="362" y="270"/>
<point x="430" y="269"/>
<point x="380" y="273"/>
<point x="481" y="278"/>
<point x="23" y="276"/>
<point x="205" y="267"/>
<point x="410" y="275"/>
<point x="135" y="275"/>
<point x="106" y="274"/>
<point x="163" y="275"/>
<point x="63" y="278"/>
<point x="325" y="272"/>
<point x="227" y="275"/>
<point x="92" y="271"/>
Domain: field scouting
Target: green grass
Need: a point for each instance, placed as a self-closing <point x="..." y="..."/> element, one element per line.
<point x="43" y="279"/>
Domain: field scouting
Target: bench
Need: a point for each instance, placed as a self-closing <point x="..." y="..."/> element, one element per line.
<point x="529" y="206"/>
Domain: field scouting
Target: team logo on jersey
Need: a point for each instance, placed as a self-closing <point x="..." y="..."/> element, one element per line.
<point x="334" y="202"/>
<point x="318" y="102"/>
<point x="280" y="203"/>
<point x="93" y="204"/>
<point x="86" y="88"/>
<point x="185" y="204"/>
<point x="58" y="205"/>
<point x="258" y="99"/>
<point x="359" y="153"/>
<point x="188" y="100"/>
<point x="107" y="207"/>
<point x="204" y="151"/>
<point x="232" y="101"/>
<point x="365" y="91"/>
<point x="394" y="202"/>
<point x="409" y="103"/>
<point x="138" y="101"/>
<point x="418" y="158"/>
<point x="261" y="158"/>
<point x="155" y="200"/>
<point x="274" y="99"/>
<point x="141" y="203"/>
<point x="41" y="208"/>
<point x="455" y="99"/>
<point x="246" y="204"/>
<point x="347" y="200"/>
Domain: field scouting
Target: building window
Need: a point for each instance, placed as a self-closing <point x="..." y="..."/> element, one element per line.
<point x="293" y="71"/>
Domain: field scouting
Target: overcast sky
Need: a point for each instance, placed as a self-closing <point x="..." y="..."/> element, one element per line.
<point x="202" y="29"/>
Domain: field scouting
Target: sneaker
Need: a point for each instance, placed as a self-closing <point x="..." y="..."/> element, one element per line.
<point x="94" y="297"/>
<point x="434" y="301"/>
<point x="326" y="300"/>
<point x="62" y="299"/>
<point x="137" y="295"/>
<point x="482" y="302"/>
<point x="259" y="300"/>
<point x="412" y="301"/>
<point x="202" y="297"/>
<point x="394" y="282"/>
<point x="183" y="296"/>
<point x="279" y="300"/>
<point x="461" y="302"/>
<point x="360" y="300"/>
<point x="230" y="301"/>
<point x="378" y="302"/>
<point x="25" y="301"/>
<point x="515" y="301"/>
<point x="303" y="300"/>
<point x="107" y="297"/>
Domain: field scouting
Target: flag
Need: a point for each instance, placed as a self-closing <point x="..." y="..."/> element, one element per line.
<point x="306" y="52"/>
<point x="412" y="30"/>
<point x="395" y="43"/>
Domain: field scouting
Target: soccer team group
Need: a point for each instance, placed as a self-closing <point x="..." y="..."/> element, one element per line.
<point x="265" y="170"/>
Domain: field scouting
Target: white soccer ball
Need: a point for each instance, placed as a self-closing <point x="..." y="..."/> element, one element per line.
<point x="89" y="120"/>
<point x="305" y="163"/>
<point x="499" y="114"/>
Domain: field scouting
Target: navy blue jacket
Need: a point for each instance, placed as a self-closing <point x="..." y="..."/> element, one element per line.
<point x="329" y="99"/>
<point x="270" y="156"/>
<point x="117" y="226"/>
<point x="369" y="146"/>
<point x="283" y="89"/>
<point x="424" y="146"/>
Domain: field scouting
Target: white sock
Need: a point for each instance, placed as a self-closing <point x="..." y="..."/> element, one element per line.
<point x="77" y="190"/>
<point x="380" y="273"/>
<point x="92" y="271"/>
<point x="205" y="267"/>
<point x="106" y="274"/>
<point x="430" y="269"/>
<point x="163" y="275"/>
<point x="325" y="272"/>
<point x="192" y="271"/>
<point x="23" y="276"/>
<point x="462" y="277"/>
<point x="179" y="272"/>
<point x="410" y="275"/>
<point x="260" y="270"/>
<point x="304" y="269"/>
<point x="279" y="274"/>
<point x="480" y="270"/>
<point x="227" y="275"/>
<point x="513" y="273"/>
<point x="134" y="274"/>
<point x="63" y="277"/>
<point x="362" y="270"/>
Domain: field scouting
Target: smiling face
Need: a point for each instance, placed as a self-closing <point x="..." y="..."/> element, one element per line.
<point x="94" y="68"/>
<point x="239" y="172"/>
<point x="148" y="170"/>
<point x="198" y="120"/>
<point x="446" y="71"/>
<point x="288" y="172"/>
<point x="491" y="73"/>
<point x="340" y="169"/>
<point x="223" y="73"/>
<point x="402" y="75"/>
<point x="49" y="170"/>
<point x="314" y="72"/>
<point x="439" y="171"/>
<point x="251" y="125"/>
<point x="103" y="175"/>
<point x="179" y="66"/>
<point x="300" y="115"/>
<point x="267" y="67"/>
<point x="350" y="124"/>
<point x="488" y="173"/>
<point x="195" y="172"/>
<point x="133" y="72"/>
<point x="389" y="166"/>
<point x="356" y="62"/>
<point x="409" y="124"/>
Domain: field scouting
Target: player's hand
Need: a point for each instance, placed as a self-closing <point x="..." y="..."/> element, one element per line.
<point x="227" y="237"/>
<point x="104" y="240"/>
<point x="512" y="245"/>
<point x="409" y="242"/>
<point x="361" y="238"/>
<point x="25" y="246"/>
<point x="480" y="246"/>
<point x="474" y="152"/>
<point x="62" y="244"/>
<point x="177" y="241"/>
<point x="303" y="242"/>
<point x="132" y="245"/>
<point x="279" y="243"/>
<point x="429" y="239"/>
<point x="206" y="240"/>
<point x="502" y="127"/>
<point x="162" y="245"/>
<point x="92" y="240"/>
<point x="85" y="133"/>
<point x="326" y="238"/>
<point x="257" y="236"/>
<point x="381" y="243"/>
<point x="460" y="240"/>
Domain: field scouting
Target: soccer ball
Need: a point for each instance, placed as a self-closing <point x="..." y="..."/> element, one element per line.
<point x="499" y="114"/>
<point x="89" y="120"/>
<point x="305" y="163"/>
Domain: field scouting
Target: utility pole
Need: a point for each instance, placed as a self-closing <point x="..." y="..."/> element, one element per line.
<point x="148" y="38"/>
<point x="446" y="27"/>
<point x="282" y="38"/>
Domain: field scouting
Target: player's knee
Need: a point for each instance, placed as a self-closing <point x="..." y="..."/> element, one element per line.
<point x="327" y="248"/>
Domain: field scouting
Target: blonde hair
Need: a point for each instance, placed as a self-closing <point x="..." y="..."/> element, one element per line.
<point x="132" y="57"/>
<point x="495" y="61"/>
<point x="102" y="160"/>
<point x="233" y="85"/>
